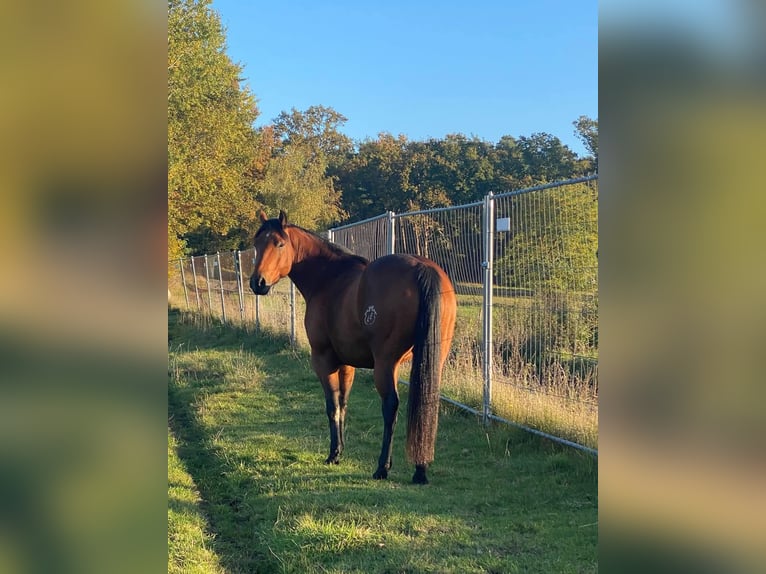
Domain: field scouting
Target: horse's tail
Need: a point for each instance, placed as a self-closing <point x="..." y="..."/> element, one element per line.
<point x="423" y="404"/>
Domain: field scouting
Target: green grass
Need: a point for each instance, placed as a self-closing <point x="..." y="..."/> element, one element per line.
<point x="189" y="538"/>
<point x="250" y="432"/>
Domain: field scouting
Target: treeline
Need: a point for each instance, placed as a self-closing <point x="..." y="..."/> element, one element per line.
<point x="393" y="173"/>
<point x="222" y="171"/>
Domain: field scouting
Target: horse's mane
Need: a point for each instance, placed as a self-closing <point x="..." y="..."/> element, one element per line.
<point x="334" y="248"/>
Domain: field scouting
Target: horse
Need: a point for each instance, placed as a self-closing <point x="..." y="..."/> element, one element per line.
<point x="362" y="314"/>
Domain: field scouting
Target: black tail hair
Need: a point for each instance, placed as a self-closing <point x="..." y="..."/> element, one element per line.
<point x="423" y="404"/>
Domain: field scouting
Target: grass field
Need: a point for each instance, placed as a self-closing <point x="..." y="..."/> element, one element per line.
<point x="248" y="490"/>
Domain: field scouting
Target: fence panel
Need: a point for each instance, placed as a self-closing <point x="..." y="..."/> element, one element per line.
<point x="452" y="238"/>
<point x="369" y="238"/>
<point x="545" y="306"/>
<point x="201" y="283"/>
<point x="226" y="277"/>
<point x="531" y="359"/>
<point x="180" y="289"/>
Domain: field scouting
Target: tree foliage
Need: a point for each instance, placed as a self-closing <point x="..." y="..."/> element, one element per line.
<point x="316" y="129"/>
<point x="394" y="173"/>
<point x="545" y="158"/>
<point x="586" y="129"/>
<point x="210" y="135"/>
<point x="296" y="179"/>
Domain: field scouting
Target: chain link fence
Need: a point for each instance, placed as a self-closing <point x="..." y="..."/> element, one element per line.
<point x="525" y="268"/>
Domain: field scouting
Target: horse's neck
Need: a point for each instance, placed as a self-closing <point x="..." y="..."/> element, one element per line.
<point x="306" y="246"/>
<point x="313" y="261"/>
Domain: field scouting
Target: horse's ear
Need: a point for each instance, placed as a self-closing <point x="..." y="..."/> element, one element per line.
<point x="282" y="218"/>
<point x="263" y="216"/>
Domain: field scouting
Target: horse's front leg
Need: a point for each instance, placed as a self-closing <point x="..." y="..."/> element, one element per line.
<point x="385" y="383"/>
<point x="327" y="371"/>
<point x="337" y="389"/>
<point x="333" y="416"/>
<point x="346" y="380"/>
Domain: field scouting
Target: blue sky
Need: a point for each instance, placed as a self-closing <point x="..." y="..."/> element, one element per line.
<point x="422" y="68"/>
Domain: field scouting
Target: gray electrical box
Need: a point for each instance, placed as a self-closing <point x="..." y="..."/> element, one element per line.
<point x="503" y="224"/>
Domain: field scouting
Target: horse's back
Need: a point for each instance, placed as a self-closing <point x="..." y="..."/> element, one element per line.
<point x="398" y="273"/>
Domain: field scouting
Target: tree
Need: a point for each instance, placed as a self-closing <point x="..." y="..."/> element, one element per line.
<point x="396" y="174"/>
<point x="210" y="134"/>
<point x="510" y="171"/>
<point x="295" y="181"/>
<point x="545" y="158"/>
<point x="372" y="178"/>
<point x="303" y="147"/>
<point x="586" y="131"/>
<point x="316" y="129"/>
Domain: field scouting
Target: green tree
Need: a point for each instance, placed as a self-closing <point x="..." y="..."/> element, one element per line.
<point x="295" y="180"/>
<point x="463" y="167"/>
<point x="317" y="129"/>
<point x="304" y="146"/>
<point x="586" y="130"/>
<point x="372" y="179"/>
<point x="545" y="158"/>
<point x="509" y="168"/>
<point x="210" y="134"/>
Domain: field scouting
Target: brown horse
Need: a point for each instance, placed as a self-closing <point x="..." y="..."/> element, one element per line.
<point x="368" y="315"/>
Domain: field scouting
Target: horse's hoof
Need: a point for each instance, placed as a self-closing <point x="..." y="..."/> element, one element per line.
<point x="379" y="474"/>
<point x="420" y="476"/>
<point x="332" y="460"/>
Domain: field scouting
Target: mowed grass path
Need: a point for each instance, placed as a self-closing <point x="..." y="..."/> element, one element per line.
<point x="248" y="490"/>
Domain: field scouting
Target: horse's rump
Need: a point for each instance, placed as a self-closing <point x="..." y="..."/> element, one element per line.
<point x="401" y="305"/>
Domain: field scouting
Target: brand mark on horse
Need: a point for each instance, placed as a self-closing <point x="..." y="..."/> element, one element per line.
<point x="370" y="315"/>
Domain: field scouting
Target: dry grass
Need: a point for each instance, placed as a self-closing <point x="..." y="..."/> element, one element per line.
<point x="559" y="408"/>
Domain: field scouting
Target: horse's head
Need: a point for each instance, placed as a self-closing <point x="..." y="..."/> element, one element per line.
<point x="274" y="254"/>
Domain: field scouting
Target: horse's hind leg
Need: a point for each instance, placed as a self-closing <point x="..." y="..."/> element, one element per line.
<point x="385" y="383"/>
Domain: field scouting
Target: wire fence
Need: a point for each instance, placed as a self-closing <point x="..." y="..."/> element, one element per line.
<point x="525" y="268"/>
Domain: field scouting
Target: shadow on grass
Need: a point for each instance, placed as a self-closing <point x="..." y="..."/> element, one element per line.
<point x="209" y="468"/>
<point x="273" y="506"/>
<point x="205" y="464"/>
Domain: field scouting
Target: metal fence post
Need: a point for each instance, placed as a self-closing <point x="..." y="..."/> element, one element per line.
<point x="331" y="235"/>
<point x="196" y="288"/>
<point x="220" y="283"/>
<point x="183" y="280"/>
<point x="292" y="314"/>
<point x="209" y="296"/>
<point x="391" y="232"/>
<point x="240" y="287"/>
<point x="489" y="247"/>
